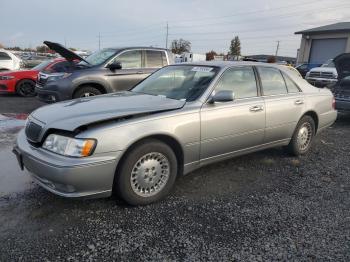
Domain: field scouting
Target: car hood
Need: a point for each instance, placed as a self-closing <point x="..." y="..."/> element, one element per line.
<point x="324" y="69"/>
<point x="69" y="115"/>
<point x="64" y="52"/>
<point x="342" y="63"/>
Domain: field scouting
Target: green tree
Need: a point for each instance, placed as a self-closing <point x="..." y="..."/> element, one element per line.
<point x="235" y="47"/>
<point x="180" y="46"/>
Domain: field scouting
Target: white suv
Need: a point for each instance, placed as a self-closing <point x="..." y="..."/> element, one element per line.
<point x="9" y="61"/>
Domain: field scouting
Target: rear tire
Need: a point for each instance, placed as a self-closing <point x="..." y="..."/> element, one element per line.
<point x="87" y="91"/>
<point x="302" y="139"/>
<point x="26" y="88"/>
<point x="147" y="174"/>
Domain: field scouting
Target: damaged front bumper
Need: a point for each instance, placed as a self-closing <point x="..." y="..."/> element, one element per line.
<point x="66" y="176"/>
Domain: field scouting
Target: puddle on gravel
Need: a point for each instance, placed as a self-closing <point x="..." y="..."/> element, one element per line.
<point x="12" y="178"/>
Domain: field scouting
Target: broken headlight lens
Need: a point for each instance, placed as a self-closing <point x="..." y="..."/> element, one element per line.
<point x="68" y="146"/>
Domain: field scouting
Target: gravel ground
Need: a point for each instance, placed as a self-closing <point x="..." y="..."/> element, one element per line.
<point x="263" y="206"/>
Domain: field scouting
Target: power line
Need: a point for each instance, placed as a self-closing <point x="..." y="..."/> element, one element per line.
<point x="282" y="16"/>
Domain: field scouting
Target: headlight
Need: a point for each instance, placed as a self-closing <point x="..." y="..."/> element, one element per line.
<point x="68" y="146"/>
<point x="55" y="77"/>
<point x="307" y="74"/>
<point x="6" y="77"/>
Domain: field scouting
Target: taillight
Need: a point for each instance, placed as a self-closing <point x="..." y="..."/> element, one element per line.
<point x="333" y="103"/>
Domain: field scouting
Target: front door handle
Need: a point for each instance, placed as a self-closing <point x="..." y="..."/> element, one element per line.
<point x="256" y="108"/>
<point x="139" y="72"/>
<point x="299" y="102"/>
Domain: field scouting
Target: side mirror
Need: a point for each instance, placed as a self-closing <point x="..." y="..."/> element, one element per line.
<point x="115" y="66"/>
<point x="222" y="96"/>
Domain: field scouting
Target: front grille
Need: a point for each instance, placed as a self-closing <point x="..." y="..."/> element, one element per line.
<point x="321" y="74"/>
<point x="33" y="131"/>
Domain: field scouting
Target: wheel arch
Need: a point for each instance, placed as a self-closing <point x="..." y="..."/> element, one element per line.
<point x="96" y="85"/>
<point x="314" y="116"/>
<point x="169" y="140"/>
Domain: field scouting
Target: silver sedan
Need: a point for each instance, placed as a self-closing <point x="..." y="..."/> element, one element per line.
<point x="182" y="117"/>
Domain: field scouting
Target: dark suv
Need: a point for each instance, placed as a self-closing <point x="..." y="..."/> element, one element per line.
<point x="105" y="71"/>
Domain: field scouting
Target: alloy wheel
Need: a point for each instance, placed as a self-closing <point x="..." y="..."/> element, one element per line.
<point x="150" y="174"/>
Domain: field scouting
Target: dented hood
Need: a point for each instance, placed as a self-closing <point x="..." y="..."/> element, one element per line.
<point x="69" y="115"/>
<point x="342" y="64"/>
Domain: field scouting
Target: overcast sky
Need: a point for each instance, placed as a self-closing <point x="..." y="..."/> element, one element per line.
<point x="208" y="24"/>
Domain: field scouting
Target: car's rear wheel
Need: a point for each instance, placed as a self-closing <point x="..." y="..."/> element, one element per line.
<point x="26" y="88"/>
<point x="147" y="174"/>
<point x="303" y="136"/>
<point x="87" y="91"/>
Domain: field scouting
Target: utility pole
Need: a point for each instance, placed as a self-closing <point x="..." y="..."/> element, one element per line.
<point x="278" y="46"/>
<point x="99" y="41"/>
<point x="167" y="35"/>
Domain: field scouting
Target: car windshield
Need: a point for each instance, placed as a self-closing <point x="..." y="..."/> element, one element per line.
<point x="42" y="65"/>
<point x="178" y="82"/>
<point x="99" y="57"/>
<point x="329" y="63"/>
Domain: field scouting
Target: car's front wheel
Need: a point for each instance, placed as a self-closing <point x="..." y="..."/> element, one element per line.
<point x="86" y="92"/>
<point x="303" y="136"/>
<point x="147" y="174"/>
<point x="26" y="88"/>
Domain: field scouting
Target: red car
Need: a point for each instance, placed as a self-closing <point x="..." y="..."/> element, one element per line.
<point x="22" y="82"/>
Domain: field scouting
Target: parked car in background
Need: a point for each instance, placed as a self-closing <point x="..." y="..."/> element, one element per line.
<point x="180" y="118"/>
<point x="9" y="61"/>
<point x="341" y="89"/>
<point x="22" y="82"/>
<point x="304" y="68"/>
<point x="105" y="71"/>
<point x="324" y="75"/>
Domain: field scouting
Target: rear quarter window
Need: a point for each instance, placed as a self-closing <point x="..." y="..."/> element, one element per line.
<point x="291" y="86"/>
<point x="4" y="56"/>
<point x="155" y="59"/>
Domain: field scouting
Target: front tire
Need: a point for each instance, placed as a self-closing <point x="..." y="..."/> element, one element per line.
<point x="26" y="88"/>
<point x="87" y="91"/>
<point x="147" y="174"/>
<point x="303" y="136"/>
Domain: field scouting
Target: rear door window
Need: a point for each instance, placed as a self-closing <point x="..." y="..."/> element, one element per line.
<point x="4" y="56"/>
<point x="272" y="81"/>
<point x="130" y="59"/>
<point x="155" y="59"/>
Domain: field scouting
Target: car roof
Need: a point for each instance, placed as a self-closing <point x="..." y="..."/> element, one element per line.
<point x="136" y="47"/>
<point x="225" y="64"/>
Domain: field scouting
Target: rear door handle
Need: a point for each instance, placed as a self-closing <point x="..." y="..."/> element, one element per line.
<point x="256" y="108"/>
<point x="139" y="72"/>
<point x="299" y="102"/>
